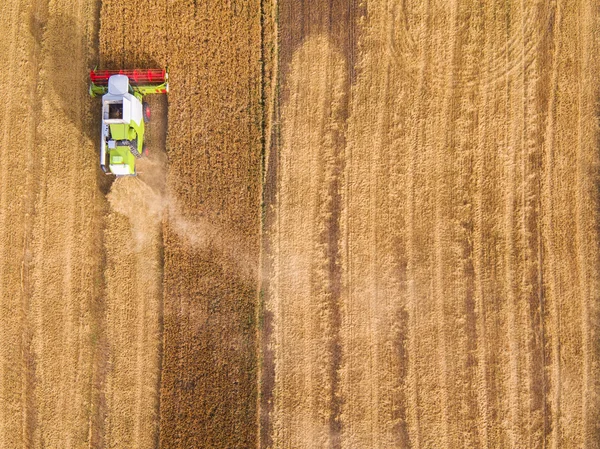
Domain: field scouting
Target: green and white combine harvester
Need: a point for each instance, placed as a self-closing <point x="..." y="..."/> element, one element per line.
<point x="124" y="114"/>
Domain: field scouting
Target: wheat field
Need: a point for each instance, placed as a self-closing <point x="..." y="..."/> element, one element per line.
<point x="362" y="224"/>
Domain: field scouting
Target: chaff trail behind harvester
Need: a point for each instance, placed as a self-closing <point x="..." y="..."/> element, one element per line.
<point x="124" y="114"/>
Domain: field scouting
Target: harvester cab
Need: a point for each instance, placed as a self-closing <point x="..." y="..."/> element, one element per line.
<point x="124" y="114"/>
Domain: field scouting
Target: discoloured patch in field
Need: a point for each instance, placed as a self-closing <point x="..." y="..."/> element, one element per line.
<point x="459" y="190"/>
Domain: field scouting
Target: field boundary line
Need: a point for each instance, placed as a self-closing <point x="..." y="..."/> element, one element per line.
<point x="439" y="229"/>
<point x="509" y="176"/>
<point x="580" y="226"/>
<point x="548" y="221"/>
<point x="3" y="203"/>
<point x="478" y="262"/>
<point x="419" y="130"/>
<point x="265" y="317"/>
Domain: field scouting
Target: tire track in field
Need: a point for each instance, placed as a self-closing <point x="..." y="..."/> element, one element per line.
<point x="375" y="315"/>
<point x="381" y="119"/>
<point x="454" y="193"/>
<point x="416" y="138"/>
<point x="524" y="256"/>
<point x="458" y="154"/>
<point x="486" y="172"/>
<point x="496" y="308"/>
<point x="549" y="247"/>
<point x="587" y="218"/>
<point x="428" y="232"/>
<point x="525" y="265"/>
<point x="499" y="197"/>
<point x="447" y="42"/>
<point x="365" y="295"/>
<point x="432" y="205"/>
<point x="14" y="219"/>
<point x="485" y="397"/>
<point x="514" y="91"/>
<point x="537" y="109"/>
<point x="304" y="292"/>
<point x="487" y="241"/>
<point x="564" y="232"/>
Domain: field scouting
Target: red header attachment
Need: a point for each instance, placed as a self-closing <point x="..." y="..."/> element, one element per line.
<point x="136" y="76"/>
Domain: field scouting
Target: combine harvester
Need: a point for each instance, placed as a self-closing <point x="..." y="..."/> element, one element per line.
<point x="124" y="114"/>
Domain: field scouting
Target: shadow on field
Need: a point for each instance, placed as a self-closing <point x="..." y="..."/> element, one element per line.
<point x="64" y="82"/>
<point x="63" y="48"/>
<point x="68" y="50"/>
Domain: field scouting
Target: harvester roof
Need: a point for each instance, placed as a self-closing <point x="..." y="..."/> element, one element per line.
<point x="118" y="85"/>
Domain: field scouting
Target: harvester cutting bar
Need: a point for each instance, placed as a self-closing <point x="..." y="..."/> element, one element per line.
<point x="143" y="81"/>
<point x="136" y="77"/>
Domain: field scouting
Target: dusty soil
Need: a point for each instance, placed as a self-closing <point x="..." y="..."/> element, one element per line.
<point x="432" y="279"/>
<point x="133" y="301"/>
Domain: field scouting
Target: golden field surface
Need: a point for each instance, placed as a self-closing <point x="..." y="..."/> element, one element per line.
<point x="362" y="224"/>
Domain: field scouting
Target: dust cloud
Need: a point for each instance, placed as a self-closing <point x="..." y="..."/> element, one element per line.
<point x="147" y="206"/>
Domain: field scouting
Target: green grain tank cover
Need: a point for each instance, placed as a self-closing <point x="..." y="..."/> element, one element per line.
<point x="119" y="131"/>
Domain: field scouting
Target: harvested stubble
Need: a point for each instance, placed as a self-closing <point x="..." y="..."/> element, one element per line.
<point x="131" y="36"/>
<point x="306" y="316"/>
<point x="467" y="234"/>
<point x="133" y="245"/>
<point x="50" y="227"/>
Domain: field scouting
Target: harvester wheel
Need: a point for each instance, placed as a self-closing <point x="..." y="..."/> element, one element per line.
<point x="146" y="112"/>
